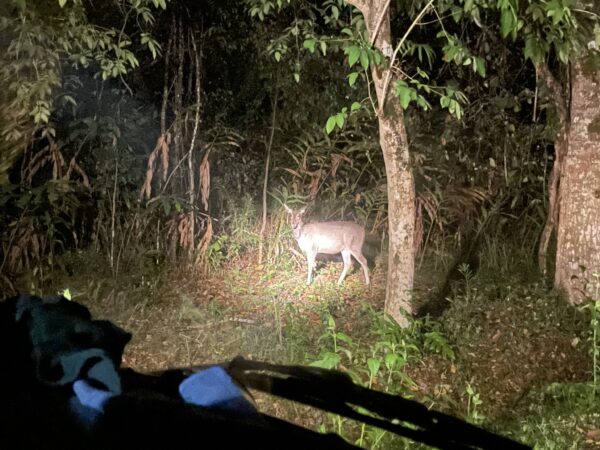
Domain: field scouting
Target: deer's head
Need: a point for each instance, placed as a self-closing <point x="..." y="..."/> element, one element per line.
<point x="296" y="219"/>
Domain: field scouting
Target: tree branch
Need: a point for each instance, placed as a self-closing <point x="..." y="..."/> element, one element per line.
<point x="388" y="76"/>
<point x="379" y="22"/>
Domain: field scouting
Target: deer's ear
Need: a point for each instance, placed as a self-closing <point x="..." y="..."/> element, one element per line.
<point x="287" y="208"/>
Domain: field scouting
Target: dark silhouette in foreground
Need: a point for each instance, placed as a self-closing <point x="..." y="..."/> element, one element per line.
<point x="62" y="388"/>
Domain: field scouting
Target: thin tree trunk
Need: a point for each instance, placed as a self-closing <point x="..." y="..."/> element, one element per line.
<point x="400" y="180"/>
<point x="578" y="241"/>
<point x="178" y="99"/>
<point x="164" y="104"/>
<point x="195" y="63"/>
<point x="264" y="193"/>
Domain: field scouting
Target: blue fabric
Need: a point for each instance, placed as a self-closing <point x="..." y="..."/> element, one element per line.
<point x="90" y="396"/>
<point x="214" y="388"/>
<point x="88" y="402"/>
<point x="103" y="370"/>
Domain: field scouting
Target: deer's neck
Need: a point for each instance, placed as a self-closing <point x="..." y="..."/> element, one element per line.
<point x="297" y="230"/>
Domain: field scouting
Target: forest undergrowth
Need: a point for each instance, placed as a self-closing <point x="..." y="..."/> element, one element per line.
<point x="507" y="354"/>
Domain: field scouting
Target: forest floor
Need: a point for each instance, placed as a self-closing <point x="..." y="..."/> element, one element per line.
<point x="495" y="357"/>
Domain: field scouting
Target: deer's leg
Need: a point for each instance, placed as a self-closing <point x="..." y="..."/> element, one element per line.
<point x="347" y="262"/>
<point x="310" y="259"/>
<point x="363" y="263"/>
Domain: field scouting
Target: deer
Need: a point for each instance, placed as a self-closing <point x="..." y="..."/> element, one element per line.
<point x="329" y="238"/>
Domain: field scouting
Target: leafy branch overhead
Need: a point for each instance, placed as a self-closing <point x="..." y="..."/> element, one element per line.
<point x="51" y="37"/>
<point x="345" y="31"/>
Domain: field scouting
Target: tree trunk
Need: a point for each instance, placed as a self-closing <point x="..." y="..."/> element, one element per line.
<point x="263" y="225"/>
<point x="561" y="101"/>
<point x="578" y="246"/>
<point x="400" y="180"/>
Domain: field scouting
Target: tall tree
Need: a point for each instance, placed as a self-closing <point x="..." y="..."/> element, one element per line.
<point x="400" y="179"/>
<point x="578" y="234"/>
<point x="566" y="36"/>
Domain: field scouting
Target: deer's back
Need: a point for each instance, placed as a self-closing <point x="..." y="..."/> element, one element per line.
<point x="331" y="237"/>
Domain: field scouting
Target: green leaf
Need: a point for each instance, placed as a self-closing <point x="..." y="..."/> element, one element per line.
<point x="556" y="11"/>
<point x="62" y="3"/>
<point x="352" y="78"/>
<point x="343" y="337"/>
<point x="390" y="360"/>
<point x="423" y="103"/>
<point x="364" y="59"/>
<point x="277" y="56"/>
<point x="330" y="124"/>
<point x="353" y="53"/>
<point x="339" y="119"/>
<point x="479" y="66"/>
<point x="329" y="360"/>
<point x="69" y="99"/>
<point x="335" y="12"/>
<point x="152" y="47"/>
<point x="507" y="22"/>
<point x="67" y="294"/>
<point x="455" y="109"/>
<point x="374" y="365"/>
<point x="378" y="58"/>
<point x="404" y="92"/>
<point x="533" y="51"/>
<point x="297" y="77"/>
<point x="310" y="45"/>
<point x="330" y="322"/>
<point x="355" y="106"/>
<point x="457" y="13"/>
<point x="323" y="45"/>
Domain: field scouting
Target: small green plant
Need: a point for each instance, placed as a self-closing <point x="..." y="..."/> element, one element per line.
<point x="474" y="401"/>
<point x="561" y="431"/>
<point x="435" y="341"/>
<point x="380" y="363"/>
<point x="217" y="252"/>
<point x="468" y="276"/>
<point x="331" y="359"/>
<point x="374" y="365"/>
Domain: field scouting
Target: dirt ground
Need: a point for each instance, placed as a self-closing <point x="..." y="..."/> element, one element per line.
<point x="505" y="347"/>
